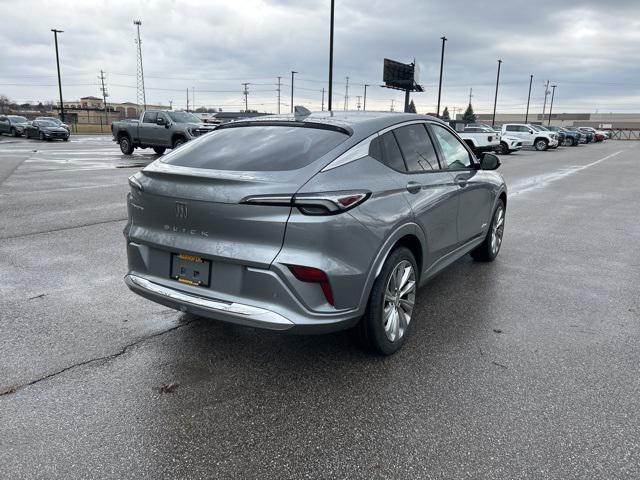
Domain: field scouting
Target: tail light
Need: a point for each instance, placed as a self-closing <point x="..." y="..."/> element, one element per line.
<point x="313" y="275"/>
<point x="326" y="203"/>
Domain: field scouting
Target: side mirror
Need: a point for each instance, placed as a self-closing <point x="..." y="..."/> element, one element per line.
<point x="489" y="161"/>
<point x="160" y="121"/>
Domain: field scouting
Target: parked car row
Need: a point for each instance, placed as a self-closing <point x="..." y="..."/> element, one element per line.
<point x="44" y="128"/>
<point x="511" y="137"/>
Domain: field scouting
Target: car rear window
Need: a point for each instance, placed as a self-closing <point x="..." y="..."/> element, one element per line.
<point x="257" y="148"/>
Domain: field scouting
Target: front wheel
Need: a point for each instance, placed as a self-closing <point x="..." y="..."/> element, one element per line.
<point x="488" y="250"/>
<point x="177" y="142"/>
<point x="503" y="149"/>
<point x="42" y="136"/>
<point x="541" y="145"/>
<point x="567" y="142"/>
<point x="386" y="322"/>
<point x="159" y="150"/>
<point x="13" y="132"/>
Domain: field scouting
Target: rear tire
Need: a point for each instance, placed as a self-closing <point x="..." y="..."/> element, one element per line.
<point x="159" y="150"/>
<point x="541" y="145"/>
<point x="387" y="320"/>
<point x="488" y="250"/>
<point x="126" y="146"/>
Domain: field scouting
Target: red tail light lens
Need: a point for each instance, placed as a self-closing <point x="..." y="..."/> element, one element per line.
<point x="313" y="275"/>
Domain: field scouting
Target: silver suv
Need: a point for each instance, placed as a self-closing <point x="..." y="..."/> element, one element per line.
<point x="312" y="223"/>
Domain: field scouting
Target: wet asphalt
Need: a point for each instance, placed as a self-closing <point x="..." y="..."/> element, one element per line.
<point x="527" y="367"/>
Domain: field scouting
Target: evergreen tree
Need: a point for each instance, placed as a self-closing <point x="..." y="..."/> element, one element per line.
<point x="445" y="114"/>
<point x="412" y="107"/>
<point x="469" y="116"/>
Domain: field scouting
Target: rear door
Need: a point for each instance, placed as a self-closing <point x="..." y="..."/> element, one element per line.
<point x="4" y="124"/>
<point x="147" y="129"/>
<point x="429" y="190"/>
<point x="475" y="194"/>
<point x="196" y="198"/>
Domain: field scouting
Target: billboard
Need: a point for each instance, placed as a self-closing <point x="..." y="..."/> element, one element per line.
<point x="402" y="76"/>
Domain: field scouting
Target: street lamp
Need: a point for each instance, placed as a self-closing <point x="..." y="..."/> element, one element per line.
<point x="364" y="104"/>
<point x="495" y="101"/>
<point x="330" y="58"/>
<point x="553" y="93"/>
<point x="55" y="36"/>
<point x="526" y="116"/>
<point x="444" y="39"/>
<point x="292" y="74"/>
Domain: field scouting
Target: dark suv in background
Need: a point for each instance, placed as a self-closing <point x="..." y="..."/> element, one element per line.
<point x="13" y="124"/>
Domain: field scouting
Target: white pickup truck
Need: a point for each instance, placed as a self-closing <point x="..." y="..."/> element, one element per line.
<point x="480" y="138"/>
<point x="531" y="136"/>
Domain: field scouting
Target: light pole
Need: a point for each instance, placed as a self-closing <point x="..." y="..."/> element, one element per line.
<point x="495" y="101"/>
<point x="364" y="101"/>
<point x="546" y="93"/>
<point x="526" y="116"/>
<point x="330" y="93"/>
<point x="55" y="36"/>
<point x="292" y="74"/>
<point x="553" y="93"/>
<point x="444" y="39"/>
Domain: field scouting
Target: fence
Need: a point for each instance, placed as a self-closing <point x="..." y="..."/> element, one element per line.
<point x="625" y="133"/>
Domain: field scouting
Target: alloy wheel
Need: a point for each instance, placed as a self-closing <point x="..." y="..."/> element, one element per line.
<point x="497" y="230"/>
<point x="399" y="300"/>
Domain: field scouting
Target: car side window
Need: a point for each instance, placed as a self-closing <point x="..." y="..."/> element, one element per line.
<point x="150" y="117"/>
<point x="455" y="153"/>
<point x="512" y="128"/>
<point x="391" y="155"/>
<point x="417" y="149"/>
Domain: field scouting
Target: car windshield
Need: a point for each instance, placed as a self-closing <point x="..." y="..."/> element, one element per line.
<point x="54" y="120"/>
<point x="538" y="128"/>
<point x="257" y="148"/>
<point x="183" y="117"/>
<point x="47" y="123"/>
<point x="16" y="119"/>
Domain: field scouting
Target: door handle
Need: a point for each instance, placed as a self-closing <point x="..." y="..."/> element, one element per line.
<point x="414" y="187"/>
<point x="461" y="181"/>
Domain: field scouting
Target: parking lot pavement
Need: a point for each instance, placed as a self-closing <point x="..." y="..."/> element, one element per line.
<point x="523" y="368"/>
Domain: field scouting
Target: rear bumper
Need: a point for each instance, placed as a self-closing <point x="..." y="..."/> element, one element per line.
<point x="239" y="311"/>
<point x="228" y="311"/>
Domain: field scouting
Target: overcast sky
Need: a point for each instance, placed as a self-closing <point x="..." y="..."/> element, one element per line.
<point x="590" y="49"/>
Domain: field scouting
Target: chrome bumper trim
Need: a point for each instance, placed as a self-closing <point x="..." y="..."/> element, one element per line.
<point x="232" y="312"/>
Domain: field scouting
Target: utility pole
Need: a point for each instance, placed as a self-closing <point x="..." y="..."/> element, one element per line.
<point x="193" y="98"/>
<point x="495" y="101"/>
<point x="364" y="100"/>
<point x="331" y="55"/>
<point x="323" y="99"/>
<point x="526" y="116"/>
<point x="187" y="99"/>
<point x="279" y="95"/>
<point x="346" y="95"/>
<point x="141" y="94"/>
<point x="358" y="97"/>
<point x="470" y="94"/>
<point x="246" y="93"/>
<point x="392" y="100"/>
<point x="292" y="74"/>
<point x="553" y="94"/>
<point x="104" y="98"/>
<point x="444" y="39"/>
<point x="546" y="92"/>
<point x="55" y="36"/>
<point x="170" y="104"/>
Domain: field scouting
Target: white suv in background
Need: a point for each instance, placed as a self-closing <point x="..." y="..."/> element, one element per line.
<point x="529" y="135"/>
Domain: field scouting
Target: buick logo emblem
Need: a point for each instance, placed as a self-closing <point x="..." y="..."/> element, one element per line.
<point x="181" y="210"/>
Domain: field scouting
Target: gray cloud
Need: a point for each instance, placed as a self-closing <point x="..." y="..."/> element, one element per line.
<point x="587" y="48"/>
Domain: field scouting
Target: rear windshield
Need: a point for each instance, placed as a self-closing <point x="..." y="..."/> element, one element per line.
<point x="257" y="148"/>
